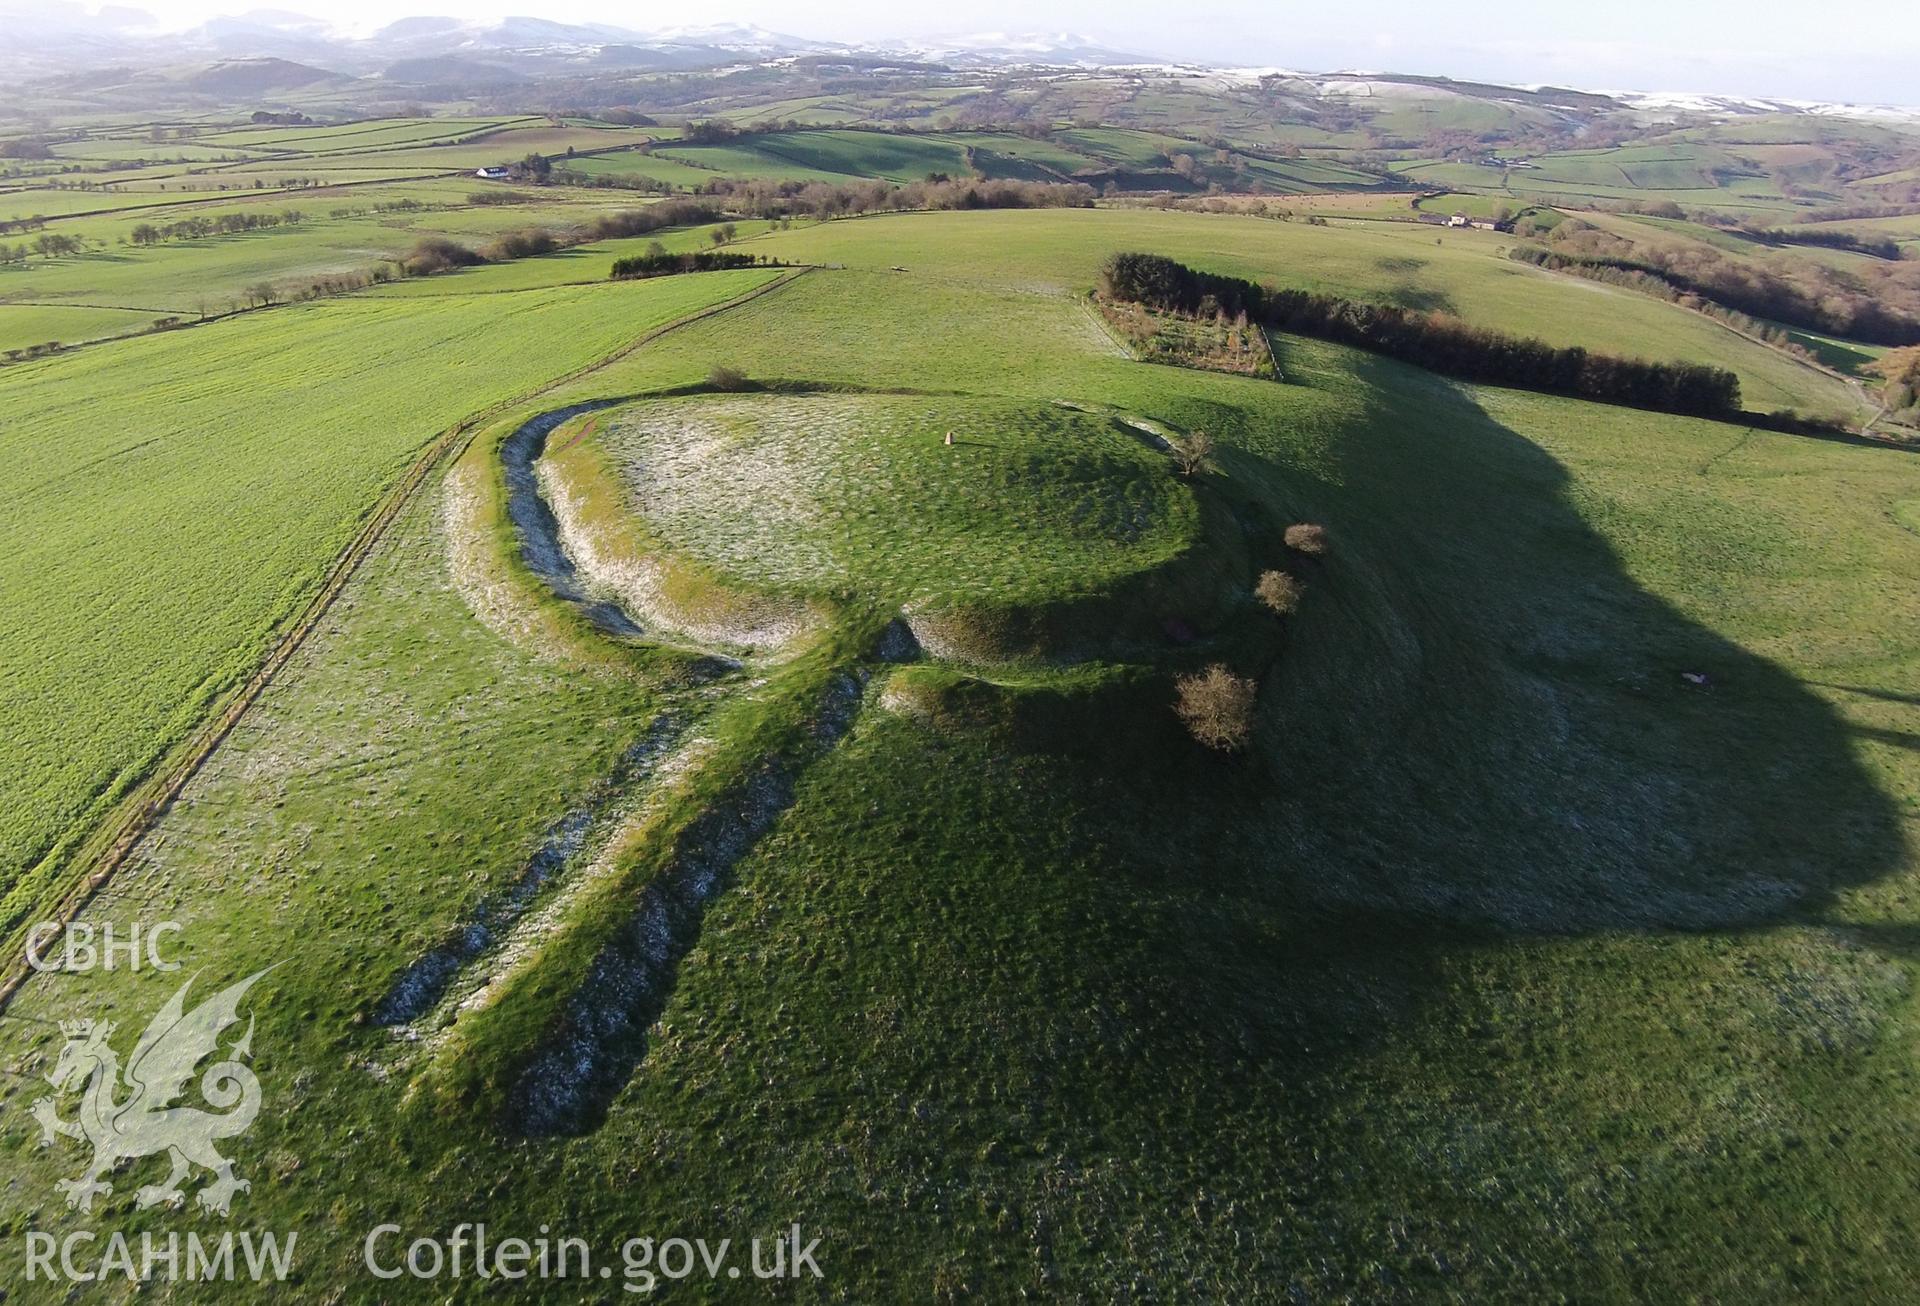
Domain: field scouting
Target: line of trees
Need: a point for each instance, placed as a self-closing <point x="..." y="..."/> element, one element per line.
<point x="1432" y="340"/>
<point x="384" y="206"/>
<point x="199" y="228"/>
<point x="1877" y="246"/>
<point x="49" y="244"/>
<point x="764" y="198"/>
<point x="438" y="254"/>
<point x="1883" y="308"/>
<point x="713" y="131"/>
<point x="1839" y="213"/>
<point x="657" y="262"/>
<point x="777" y="199"/>
<point x="655" y="217"/>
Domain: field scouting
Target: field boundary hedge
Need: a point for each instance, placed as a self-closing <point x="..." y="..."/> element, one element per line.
<point x="1435" y="341"/>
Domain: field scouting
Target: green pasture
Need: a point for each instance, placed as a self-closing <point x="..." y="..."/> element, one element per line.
<point x="1462" y="272"/>
<point x="737" y="160"/>
<point x="864" y="154"/>
<point x="24" y="325"/>
<point x="156" y="506"/>
<point x="657" y="165"/>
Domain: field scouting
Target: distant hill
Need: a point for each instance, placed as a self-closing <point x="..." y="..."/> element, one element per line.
<point x="451" y="70"/>
<point x="242" y="77"/>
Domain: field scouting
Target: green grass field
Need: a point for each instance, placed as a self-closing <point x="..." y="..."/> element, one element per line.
<point x="1463" y="272"/>
<point x="744" y="161"/>
<point x="1048" y="154"/>
<point x="189" y="276"/>
<point x="199" y="542"/>
<point x="656" y="166"/>
<point x="1686" y="173"/>
<point x="355" y="135"/>
<point x="24" y="325"/>
<point x="865" y="154"/>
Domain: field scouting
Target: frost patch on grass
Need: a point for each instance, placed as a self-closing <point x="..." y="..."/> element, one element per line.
<point x="492" y="598"/>
<point x="835" y="494"/>
<point x="424" y="982"/>
<point x="600" y="1039"/>
<point x="495" y="971"/>
<point x="640" y="582"/>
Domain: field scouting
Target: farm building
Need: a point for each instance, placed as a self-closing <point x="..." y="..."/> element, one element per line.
<point x="1462" y="220"/>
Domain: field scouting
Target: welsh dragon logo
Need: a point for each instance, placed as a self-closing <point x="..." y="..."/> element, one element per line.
<point x="146" y="1122"/>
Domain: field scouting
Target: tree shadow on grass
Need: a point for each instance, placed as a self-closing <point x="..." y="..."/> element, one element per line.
<point x="1481" y="726"/>
<point x="1421" y="299"/>
<point x="1541" y="759"/>
<point x="1870" y="691"/>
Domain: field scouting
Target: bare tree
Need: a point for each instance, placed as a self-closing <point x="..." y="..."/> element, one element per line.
<point x="1278" y="592"/>
<point x="1217" y="707"/>
<point x="1308" y="538"/>
<point x="1194" y="454"/>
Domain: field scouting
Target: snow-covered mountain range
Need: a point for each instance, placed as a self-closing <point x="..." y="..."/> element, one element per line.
<point x="51" y="37"/>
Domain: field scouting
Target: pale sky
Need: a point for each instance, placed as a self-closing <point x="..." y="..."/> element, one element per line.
<point x="1866" y="53"/>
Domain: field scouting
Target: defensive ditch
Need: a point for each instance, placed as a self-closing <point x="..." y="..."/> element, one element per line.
<point x="422" y="985"/>
<point x="600" y="1038"/>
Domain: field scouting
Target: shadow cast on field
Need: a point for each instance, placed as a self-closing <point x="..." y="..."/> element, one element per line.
<point x="1891" y="738"/>
<point x="1421" y="299"/>
<point x="1544" y="758"/>
<point x="1492" y="734"/>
